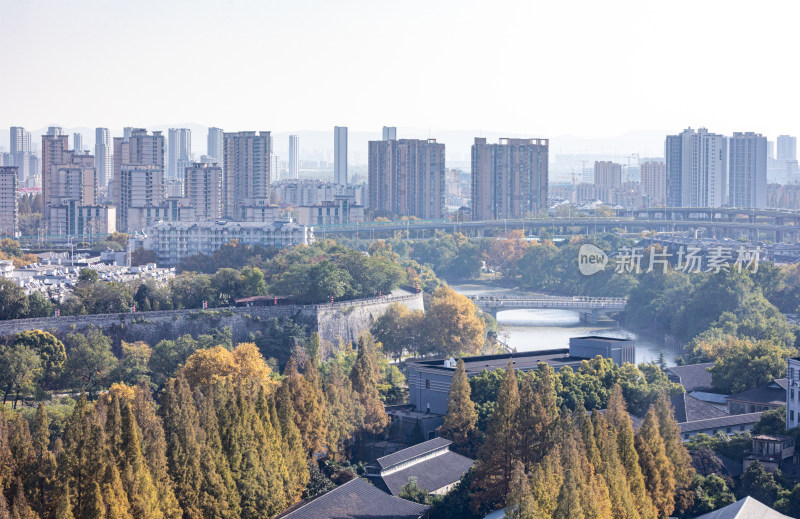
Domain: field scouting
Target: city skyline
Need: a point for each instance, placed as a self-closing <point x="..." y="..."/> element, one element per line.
<point x="312" y="32"/>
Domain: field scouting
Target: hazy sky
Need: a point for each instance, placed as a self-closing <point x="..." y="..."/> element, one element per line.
<point x="543" y="68"/>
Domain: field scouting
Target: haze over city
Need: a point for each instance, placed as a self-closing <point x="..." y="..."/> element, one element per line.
<point x="537" y="69"/>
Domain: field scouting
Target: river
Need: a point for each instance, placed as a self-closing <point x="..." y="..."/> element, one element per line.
<point x="530" y="330"/>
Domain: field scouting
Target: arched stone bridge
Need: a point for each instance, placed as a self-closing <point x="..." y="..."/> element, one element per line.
<point x="587" y="307"/>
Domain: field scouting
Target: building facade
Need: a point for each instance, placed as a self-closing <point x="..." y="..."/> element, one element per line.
<point x="216" y="144"/>
<point x="389" y="133"/>
<point x="136" y="148"/>
<point x="607" y="174"/>
<point x="246" y="169"/>
<point x="294" y="156"/>
<point x="84" y="222"/>
<point x="407" y="178"/>
<point x="175" y="241"/>
<point x="748" y="171"/>
<point x="697" y="169"/>
<point x="654" y="182"/>
<point x="20" y="151"/>
<point x="141" y="192"/>
<point x="103" y="156"/>
<point x="337" y="212"/>
<point x="792" y="392"/>
<point x="203" y="189"/>
<point x="509" y="179"/>
<point x="9" y="183"/>
<point x="340" y="154"/>
<point x="787" y="147"/>
<point x="179" y="151"/>
<point x="314" y="192"/>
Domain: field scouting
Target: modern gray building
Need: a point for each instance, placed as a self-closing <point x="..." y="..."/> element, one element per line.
<point x="389" y="133"/>
<point x="787" y="147"/>
<point x="340" y="154"/>
<point x="77" y="142"/>
<point x="294" y="156"/>
<point x="215" y="144"/>
<point x="407" y="178"/>
<point x="429" y="380"/>
<point x="697" y="169"/>
<point x="246" y="169"/>
<point x="20" y="151"/>
<point x="103" y="156"/>
<point x="509" y="179"/>
<point x="180" y="152"/>
<point x="748" y="171"/>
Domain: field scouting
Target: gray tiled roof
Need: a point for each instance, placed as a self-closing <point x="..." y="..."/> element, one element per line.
<point x="412" y="452"/>
<point x="432" y="474"/>
<point x="729" y="420"/>
<point x="773" y="393"/>
<point x="357" y="499"/>
<point x="693" y="377"/>
<point x="746" y="508"/>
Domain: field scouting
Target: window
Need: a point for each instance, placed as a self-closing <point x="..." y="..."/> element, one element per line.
<point x="427" y="383"/>
<point x="791" y="415"/>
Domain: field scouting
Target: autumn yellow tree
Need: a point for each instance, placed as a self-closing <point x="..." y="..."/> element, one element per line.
<point x="452" y="325"/>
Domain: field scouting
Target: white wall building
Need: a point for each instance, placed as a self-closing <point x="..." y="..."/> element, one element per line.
<point x="338" y="212"/>
<point x="175" y="241"/>
<point x="180" y="151"/>
<point x="103" y="156"/>
<point x="340" y="154"/>
<point x="793" y="392"/>
<point x="294" y="156"/>
<point x="314" y="192"/>
<point x="697" y="169"/>
<point x="748" y="171"/>
<point x="215" y="144"/>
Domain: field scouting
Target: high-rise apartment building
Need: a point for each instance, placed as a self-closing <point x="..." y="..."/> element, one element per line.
<point x="654" y="182"/>
<point x="407" y="178"/>
<point x="9" y="184"/>
<point x="180" y="152"/>
<point x="20" y="153"/>
<point x="77" y="142"/>
<point x="246" y="169"/>
<point x="748" y="171"/>
<point x="103" y="156"/>
<point x="54" y="150"/>
<point x="137" y="149"/>
<point x="340" y="154"/>
<point x="509" y="179"/>
<point x="787" y="147"/>
<point x="141" y="191"/>
<point x="294" y="156"/>
<point x="697" y="169"/>
<point x="203" y="188"/>
<point x="607" y="174"/>
<point x="55" y="131"/>
<point x="215" y="144"/>
<point x="389" y="133"/>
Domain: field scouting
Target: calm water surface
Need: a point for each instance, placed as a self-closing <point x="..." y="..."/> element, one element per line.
<point x="530" y="330"/>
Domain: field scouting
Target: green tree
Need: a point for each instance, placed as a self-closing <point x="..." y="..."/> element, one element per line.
<point x="758" y="484"/>
<point x="459" y="422"/>
<point x="90" y="360"/>
<point x="13" y="302"/>
<point x="493" y="472"/>
<point x="50" y="350"/>
<point x="772" y="422"/>
<point x="20" y="371"/>
<point x="364" y="378"/>
<point x="39" y="306"/>
<point x="412" y="492"/>
<point x="747" y="364"/>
